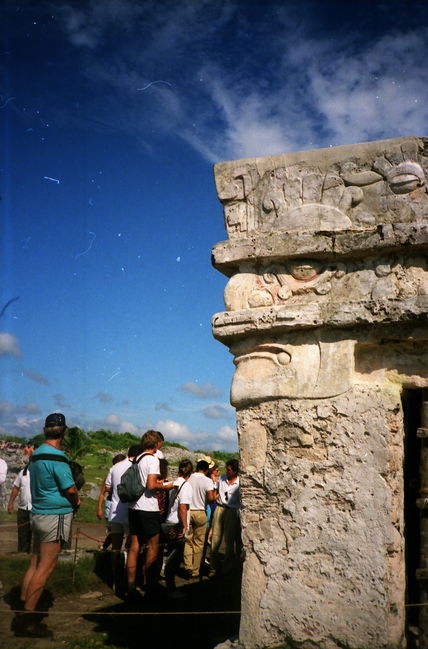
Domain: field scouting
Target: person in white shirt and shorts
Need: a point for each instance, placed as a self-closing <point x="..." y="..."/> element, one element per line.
<point x="144" y="517"/>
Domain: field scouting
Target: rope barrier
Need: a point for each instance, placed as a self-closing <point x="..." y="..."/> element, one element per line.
<point x="92" y="538"/>
<point x="81" y="613"/>
<point x="14" y="526"/>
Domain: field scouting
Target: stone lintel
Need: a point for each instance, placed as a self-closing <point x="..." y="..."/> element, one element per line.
<point x="231" y="324"/>
<point x="277" y="246"/>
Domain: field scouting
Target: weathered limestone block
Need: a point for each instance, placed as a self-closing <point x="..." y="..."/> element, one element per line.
<point x="331" y="189"/>
<point x="332" y="523"/>
<point x="326" y="317"/>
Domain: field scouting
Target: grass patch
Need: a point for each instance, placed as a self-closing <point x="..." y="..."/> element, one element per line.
<point x="89" y="641"/>
<point x="12" y="571"/>
<point x="87" y="512"/>
<point x="6" y="518"/>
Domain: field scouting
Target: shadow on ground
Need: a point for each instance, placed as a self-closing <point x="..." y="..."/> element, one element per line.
<point x="208" y="615"/>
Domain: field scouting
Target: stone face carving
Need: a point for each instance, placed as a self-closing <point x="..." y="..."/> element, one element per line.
<point x="326" y="317"/>
<point x="300" y="366"/>
<point x="333" y="189"/>
<point x="300" y="281"/>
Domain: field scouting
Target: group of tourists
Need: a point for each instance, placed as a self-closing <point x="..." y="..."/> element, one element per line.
<point x="171" y="523"/>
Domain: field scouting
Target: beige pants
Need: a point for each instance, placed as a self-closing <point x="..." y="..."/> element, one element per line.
<point x="194" y="545"/>
<point x="226" y="540"/>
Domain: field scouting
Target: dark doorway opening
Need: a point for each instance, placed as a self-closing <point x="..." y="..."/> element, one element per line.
<point x="412" y="402"/>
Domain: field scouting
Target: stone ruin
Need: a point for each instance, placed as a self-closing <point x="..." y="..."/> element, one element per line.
<point x="326" y="317"/>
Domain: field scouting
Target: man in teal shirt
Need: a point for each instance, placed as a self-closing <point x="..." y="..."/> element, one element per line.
<point x="54" y="498"/>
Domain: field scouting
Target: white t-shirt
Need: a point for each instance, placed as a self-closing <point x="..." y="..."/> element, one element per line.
<point x="200" y="485"/>
<point x="184" y="497"/>
<point x="159" y="454"/>
<point x="118" y="511"/>
<point x="3" y="470"/>
<point x="228" y="494"/>
<point x="148" y="502"/>
<point x="22" y="482"/>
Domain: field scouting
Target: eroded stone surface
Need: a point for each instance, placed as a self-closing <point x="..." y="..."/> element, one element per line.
<point x="326" y="316"/>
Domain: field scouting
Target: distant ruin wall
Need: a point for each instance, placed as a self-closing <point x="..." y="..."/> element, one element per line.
<point x="326" y="317"/>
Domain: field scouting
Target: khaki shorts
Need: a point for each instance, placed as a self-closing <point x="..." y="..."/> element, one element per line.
<point x="47" y="528"/>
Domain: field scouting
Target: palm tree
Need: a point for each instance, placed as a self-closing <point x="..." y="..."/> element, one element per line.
<point x="76" y="443"/>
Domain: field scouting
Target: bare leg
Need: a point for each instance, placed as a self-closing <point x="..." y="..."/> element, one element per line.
<point x="28" y="576"/>
<point x="131" y="563"/>
<point x="48" y="557"/>
<point x="150" y="563"/>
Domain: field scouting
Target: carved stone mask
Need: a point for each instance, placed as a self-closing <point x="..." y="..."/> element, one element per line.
<point x="304" y="269"/>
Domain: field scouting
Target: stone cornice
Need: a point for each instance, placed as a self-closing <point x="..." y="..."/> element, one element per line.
<point x="232" y="324"/>
<point x="278" y="246"/>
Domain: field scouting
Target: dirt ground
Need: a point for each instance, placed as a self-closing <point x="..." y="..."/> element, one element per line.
<point x="208" y="615"/>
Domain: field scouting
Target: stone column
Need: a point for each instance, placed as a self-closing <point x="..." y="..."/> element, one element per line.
<point x="326" y="316"/>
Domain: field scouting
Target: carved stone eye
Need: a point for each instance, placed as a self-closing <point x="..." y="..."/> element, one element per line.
<point x="304" y="269"/>
<point x="405" y="177"/>
<point x="284" y="358"/>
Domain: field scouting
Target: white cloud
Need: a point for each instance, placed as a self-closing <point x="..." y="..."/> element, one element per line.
<point x="228" y="434"/>
<point x="173" y="430"/>
<point x="20" y="420"/>
<point x="87" y="27"/>
<point x="115" y="423"/>
<point x="202" y="390"/>
<point x="375" y="93"/>
<point x="224" y="439"/>
<point x="293" y="91"/>
<point x="9" y="345"/>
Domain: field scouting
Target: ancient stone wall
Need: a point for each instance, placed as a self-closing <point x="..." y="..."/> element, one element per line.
<point x="326" y="317"/>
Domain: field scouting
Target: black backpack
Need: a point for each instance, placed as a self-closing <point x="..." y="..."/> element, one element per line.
<point x="76" y="468"/>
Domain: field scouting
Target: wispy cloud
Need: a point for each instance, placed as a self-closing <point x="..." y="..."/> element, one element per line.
<point x="164" y="406"/>
<point x="9" y="345"/>
<point x="298" y="88"/>
<point x="29" y="408"/>
<point x="218" y="412"/>
<point x="201" y="390"/>
<point x="35" y="376"/>
<point x="60" y="400"/>
<point x="104" y="397"/>
<point x="21" y="420"/>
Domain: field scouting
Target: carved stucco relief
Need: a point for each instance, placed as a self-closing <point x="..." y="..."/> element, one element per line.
<point x="293" y="366"/>
<point x="350" y="194"/>
<point x="303" y="280"/>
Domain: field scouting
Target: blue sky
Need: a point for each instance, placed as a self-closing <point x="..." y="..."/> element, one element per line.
<point x="112" y="113"/>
